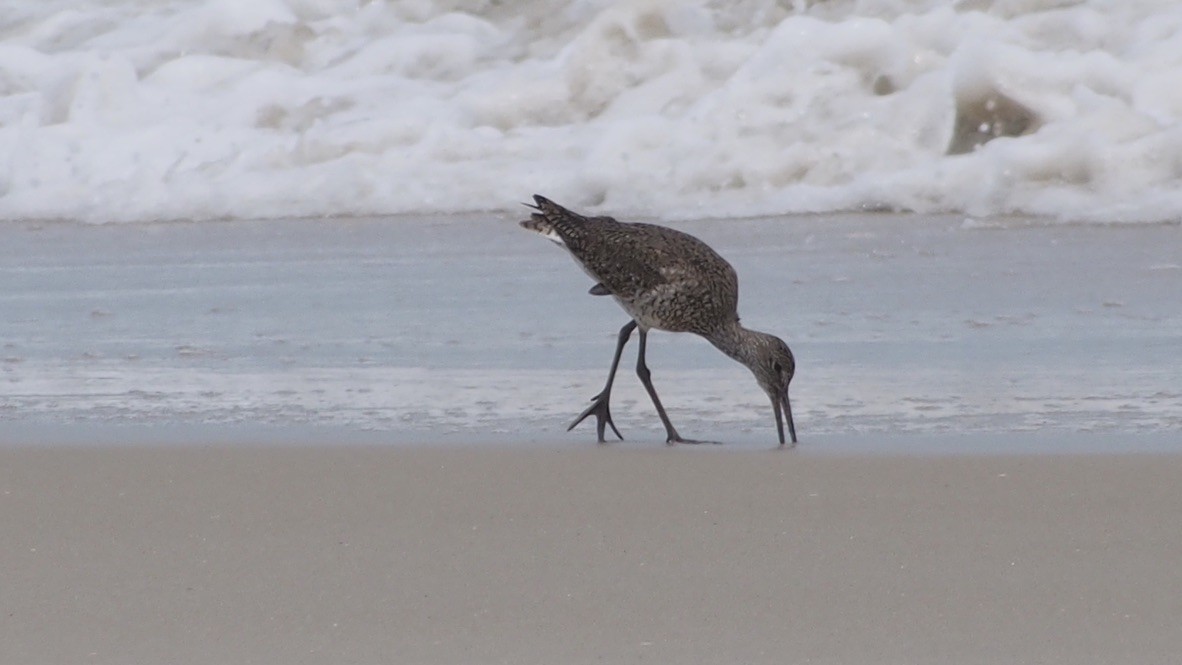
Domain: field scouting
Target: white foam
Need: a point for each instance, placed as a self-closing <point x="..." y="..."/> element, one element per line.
<point x="171" y="109"/>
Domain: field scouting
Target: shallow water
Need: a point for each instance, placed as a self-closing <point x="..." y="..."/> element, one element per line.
<point x="468" y="328"/>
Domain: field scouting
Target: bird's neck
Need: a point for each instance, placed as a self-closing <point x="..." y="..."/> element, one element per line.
<point x="737" y="342"/>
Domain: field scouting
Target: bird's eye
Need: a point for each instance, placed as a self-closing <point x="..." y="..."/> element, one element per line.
<point x="776" y="366"/>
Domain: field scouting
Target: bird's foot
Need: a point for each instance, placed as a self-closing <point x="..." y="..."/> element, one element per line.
<point x="603" y="416"/>
<point x="676" y="438"/>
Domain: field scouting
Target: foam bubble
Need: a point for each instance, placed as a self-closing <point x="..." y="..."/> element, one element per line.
<point x="181" y="110"/>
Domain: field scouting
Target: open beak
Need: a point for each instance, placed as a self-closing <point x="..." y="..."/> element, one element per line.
<point x="788" y="414"/>
<point x="783" y="408"/>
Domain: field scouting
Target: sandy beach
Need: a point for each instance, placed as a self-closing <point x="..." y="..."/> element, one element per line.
<point x="416" y="554"/>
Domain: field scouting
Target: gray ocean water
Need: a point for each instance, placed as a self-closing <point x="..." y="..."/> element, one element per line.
<point x="468" y="328"/>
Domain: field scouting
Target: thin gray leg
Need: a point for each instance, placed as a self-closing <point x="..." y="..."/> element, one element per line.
<point x="646" y="379"/>
<point x="599" y="403"/>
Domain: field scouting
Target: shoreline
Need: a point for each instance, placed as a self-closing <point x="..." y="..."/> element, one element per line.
<point x="350" y="553"/>
<point x="84" y="435"/>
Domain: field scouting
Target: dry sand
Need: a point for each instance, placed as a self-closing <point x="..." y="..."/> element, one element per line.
<point x="418" y="555"/>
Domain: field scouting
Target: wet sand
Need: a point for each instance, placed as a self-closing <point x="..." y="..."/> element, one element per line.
<point x="355" y="554"/>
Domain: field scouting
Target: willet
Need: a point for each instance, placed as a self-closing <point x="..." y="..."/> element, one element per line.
<point x="665" y="280"/>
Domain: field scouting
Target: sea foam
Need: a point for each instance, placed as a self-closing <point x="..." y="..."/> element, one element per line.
<point x="171" y="109"/>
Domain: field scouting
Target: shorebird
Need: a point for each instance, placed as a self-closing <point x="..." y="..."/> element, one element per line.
<point x="665" y="280"/>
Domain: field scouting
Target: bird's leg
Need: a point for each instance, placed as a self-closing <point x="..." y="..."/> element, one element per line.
<point x="646" y="379"/>
<point x="599" y="403"/>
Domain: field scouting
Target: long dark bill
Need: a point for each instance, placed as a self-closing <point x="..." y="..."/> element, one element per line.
<point x="791" y="425"/>
<point x="779" y="420"/>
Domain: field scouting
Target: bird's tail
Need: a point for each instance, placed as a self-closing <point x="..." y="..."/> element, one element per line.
<point x="552" y="220"/>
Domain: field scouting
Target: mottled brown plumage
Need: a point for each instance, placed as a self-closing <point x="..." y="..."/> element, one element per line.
<point x="668" y="280"/>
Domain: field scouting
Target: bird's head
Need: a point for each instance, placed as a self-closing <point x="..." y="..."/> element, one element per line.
<point x="773" y="365"/>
